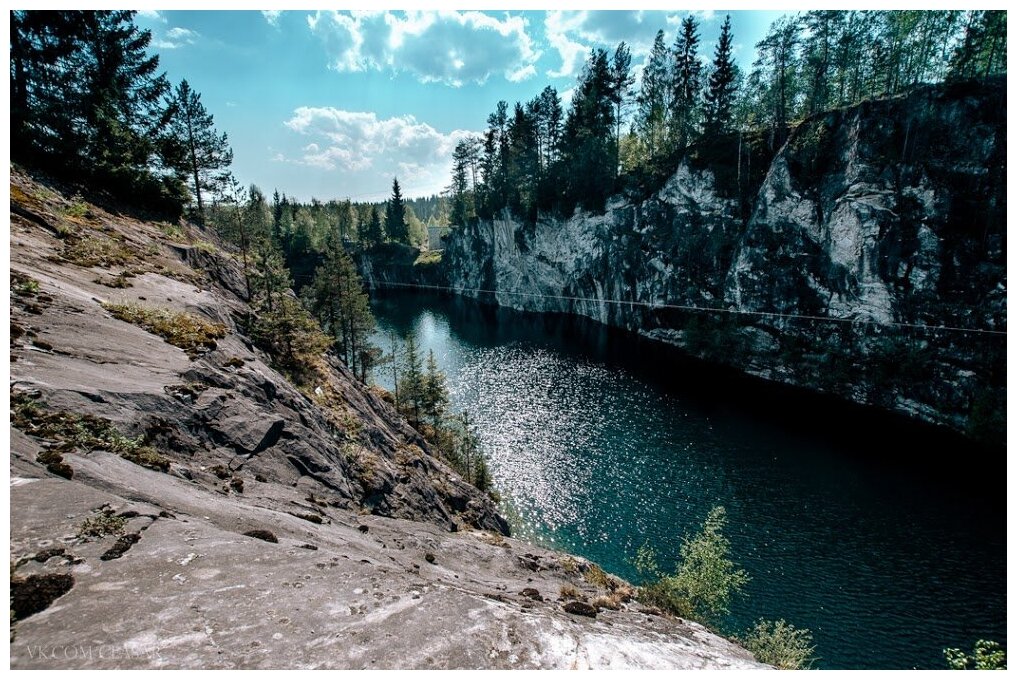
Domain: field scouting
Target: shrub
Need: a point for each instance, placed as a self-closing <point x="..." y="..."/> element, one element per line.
<point x="704" y="581"/>
<point x="988" y="656"/>
<point x="780" y="644"/>
<point x="189" y="332"/>
<point x="103" y="524"/>
<point x="598" y="577"/>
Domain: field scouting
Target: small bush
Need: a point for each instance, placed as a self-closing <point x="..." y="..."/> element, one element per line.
<point x="704" y="581"/>
<point x="78" y="209"/>
<point x="23" y="286"/>
<point x="189" y="332"/>
<point x="780" y="644"/>
<point x="598" y="577"/>
<point x="103" y="524"/>
<point x="988" y="656"/>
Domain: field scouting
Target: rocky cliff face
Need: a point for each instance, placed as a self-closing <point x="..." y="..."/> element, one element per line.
<point x="186" y="506"/>
<point x="874" y="226"/>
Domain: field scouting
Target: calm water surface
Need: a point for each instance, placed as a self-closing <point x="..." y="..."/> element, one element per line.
<point x="600" y="442"/>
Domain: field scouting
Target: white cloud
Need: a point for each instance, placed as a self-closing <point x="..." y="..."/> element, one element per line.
<point x="447" y="47"/>
<point x="358" y="142"/>
<point x="573" y="33"/>
<point x="271" y="15"/>
<point x="176" y="37"/>
<point x="151" y="15"/>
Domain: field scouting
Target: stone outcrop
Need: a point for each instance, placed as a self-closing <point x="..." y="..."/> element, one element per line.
<point x="236" y="521"/>
<point x="862" y="265"/>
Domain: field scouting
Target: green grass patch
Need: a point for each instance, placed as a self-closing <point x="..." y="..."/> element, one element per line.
<point x="78" y="210"/>
<point x="97" y="251"/>
<point x="191" y="333"/>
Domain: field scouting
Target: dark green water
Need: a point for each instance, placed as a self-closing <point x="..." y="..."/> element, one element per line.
<point x="600" y="441"/>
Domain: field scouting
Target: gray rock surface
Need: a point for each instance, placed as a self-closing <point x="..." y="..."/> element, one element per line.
<point x="383" y="557"/>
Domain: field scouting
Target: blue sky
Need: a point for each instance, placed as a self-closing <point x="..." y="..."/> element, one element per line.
<point x="333" y="104"/>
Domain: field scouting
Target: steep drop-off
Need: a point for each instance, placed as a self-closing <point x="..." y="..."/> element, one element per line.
<point x="195" y="509"/>
<point x="870" y="265"/>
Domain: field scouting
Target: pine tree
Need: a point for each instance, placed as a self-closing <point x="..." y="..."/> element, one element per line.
<point x="461" y="193"/>
<point x="589" y="135"/>
<point x="121" y="102"/>
<point x="395" y="216"/>
<point x="983" y="50"/>
<point x="435" y="392"/>
<point x="336" y="297"/>
<point x="720" y="93"/>
<point x="198" y="151"/>
<point x="652" y="100"/>
<point x="373" y="234"/>
<point x="686" y="84"/>
<point x="87" y="102"/>
<point x="622" y="80"/>
<point x="411" y="385"/>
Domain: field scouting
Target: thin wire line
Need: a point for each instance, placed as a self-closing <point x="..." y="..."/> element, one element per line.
<point x="690" y="308"/>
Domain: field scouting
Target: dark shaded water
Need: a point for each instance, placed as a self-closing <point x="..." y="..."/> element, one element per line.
<point x="600" y="441"/>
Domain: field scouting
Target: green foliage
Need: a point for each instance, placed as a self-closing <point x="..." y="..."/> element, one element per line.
<point x="983" y="50"/>
<point x="988" y="656"/>
<point x="97" y="251"/>
<point x="23" y="286"/>
<point x="535" y="159"/>
<point x="191" y="333"/>
<point x="705" y="579"/>
<point x="337" y="298"/>
<point x="395" y="216"/>
<point x="434" y="392"/>
<point x="87" y="103"/>
<point x="780" y="644"/>
<point x="68" y="431"/>
<point x="192" y="147"/>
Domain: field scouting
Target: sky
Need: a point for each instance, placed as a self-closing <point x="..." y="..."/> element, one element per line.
<point x="334" y="104"/>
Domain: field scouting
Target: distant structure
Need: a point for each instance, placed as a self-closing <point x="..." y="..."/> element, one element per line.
<point x="435" y="241"/>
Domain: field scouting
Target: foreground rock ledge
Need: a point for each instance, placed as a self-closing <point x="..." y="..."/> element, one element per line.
<point x="383" y="557"/>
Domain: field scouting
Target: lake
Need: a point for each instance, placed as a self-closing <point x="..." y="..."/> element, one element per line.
<point x="600" y="442"/>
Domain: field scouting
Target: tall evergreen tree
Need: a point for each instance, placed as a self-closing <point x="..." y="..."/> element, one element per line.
<point x="589" y="134"/>
<point x="412" y="382"/>
<point x="983" y="50"/>
<point x="622" y="80"/>
<point x="199" y="152"/>
<point x="686" y="85"/>
<point x="122" y="95"/>
<point x="372" y="234"/>
<point x="653" y="96"/>
<point x="395" y="216"/>
<point x="720" y="93"/>
<point x="336" y="297"/>
<point x="435" y="392"/>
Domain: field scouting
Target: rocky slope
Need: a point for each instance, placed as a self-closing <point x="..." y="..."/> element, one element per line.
<point x="190" y="508"/>
<point x="889" y="212"/>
